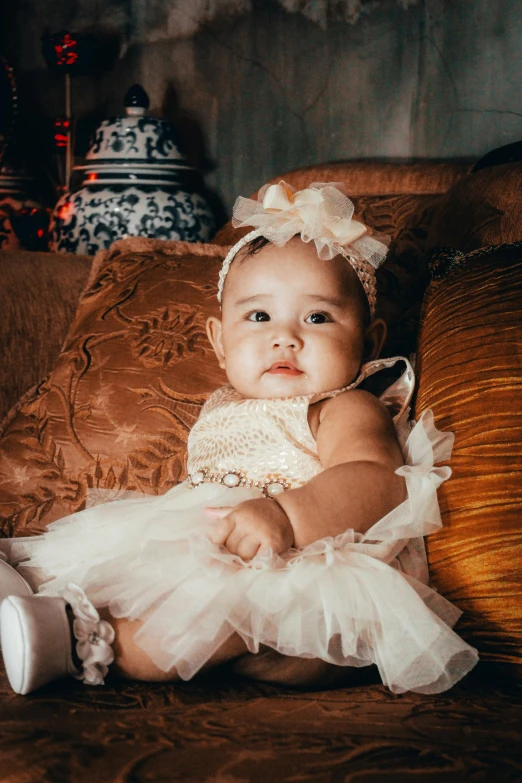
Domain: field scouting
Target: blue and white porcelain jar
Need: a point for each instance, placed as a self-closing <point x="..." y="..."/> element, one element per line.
<point x="137" y="183"/>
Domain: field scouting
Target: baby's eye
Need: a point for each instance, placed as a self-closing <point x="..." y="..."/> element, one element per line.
<point x="258" y="316"/>
<point x="318" y="318"/>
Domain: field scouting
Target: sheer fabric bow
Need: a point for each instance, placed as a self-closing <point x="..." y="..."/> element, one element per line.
<point x="321" y="213"/>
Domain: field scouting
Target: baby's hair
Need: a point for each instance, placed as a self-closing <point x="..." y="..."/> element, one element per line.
<point x="258" y="243"/>
<point x="253" y="247"/>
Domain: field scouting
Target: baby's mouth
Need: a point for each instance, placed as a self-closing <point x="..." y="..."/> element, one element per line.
<point x="284" y="368"/>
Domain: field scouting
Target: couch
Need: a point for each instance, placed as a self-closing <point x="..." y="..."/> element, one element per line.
<point x="73" y="328"/>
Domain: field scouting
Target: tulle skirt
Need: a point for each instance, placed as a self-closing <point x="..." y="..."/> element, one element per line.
<point x="352" y="600"/>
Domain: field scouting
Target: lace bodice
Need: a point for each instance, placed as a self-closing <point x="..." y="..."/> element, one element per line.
<point x="269" y="440"/>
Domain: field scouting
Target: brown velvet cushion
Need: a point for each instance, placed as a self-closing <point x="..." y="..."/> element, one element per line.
<point x="39" y="294"/>
<point x="404" y="276"/>
<point x="483" y="208"/>
<point x="117" y="407"/>
<point x="367" y="178"/>
<point x="471" y="377"/>
<point x="215" y="729"/>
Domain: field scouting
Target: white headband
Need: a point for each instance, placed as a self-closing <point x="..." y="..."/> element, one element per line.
<point x="320" y="213"/>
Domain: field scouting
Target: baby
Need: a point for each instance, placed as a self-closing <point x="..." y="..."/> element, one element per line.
<point x="299" y="528"/>
<point x="291" y="326"/>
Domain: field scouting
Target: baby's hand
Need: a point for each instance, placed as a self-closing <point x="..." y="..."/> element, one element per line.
<point x="250" y="526"/>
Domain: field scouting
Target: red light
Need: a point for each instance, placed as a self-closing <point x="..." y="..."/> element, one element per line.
<point x="92" y="176"/>
<point x="64" y="211"/>
<point x="64" y="51"/>
<point x="40" y="233"/>
<point x="61" y="129"/>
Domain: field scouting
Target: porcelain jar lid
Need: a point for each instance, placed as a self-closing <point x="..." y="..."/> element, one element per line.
<point x="135" y="148"/>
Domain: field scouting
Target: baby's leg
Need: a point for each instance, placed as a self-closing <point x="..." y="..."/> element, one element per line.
<point x="302" y="673"/>
<point x="133" y="663"/>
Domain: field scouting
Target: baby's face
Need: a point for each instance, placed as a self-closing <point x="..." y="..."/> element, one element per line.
<point x="292" y="324"/>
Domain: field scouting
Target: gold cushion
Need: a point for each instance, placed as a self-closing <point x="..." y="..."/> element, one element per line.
<point x="470" y="370"/>
<point x="116" y="409"/>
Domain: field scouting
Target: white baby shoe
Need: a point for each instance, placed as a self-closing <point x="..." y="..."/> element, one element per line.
<point x="37" y="641"/>
<point x="11" y="582"/>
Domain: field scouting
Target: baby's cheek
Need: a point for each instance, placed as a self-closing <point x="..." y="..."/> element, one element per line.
<point x="246" y="358"/>
<point x="337" y="353"/>
<point x="243" y="374"/>
<point x="342" y="368"/>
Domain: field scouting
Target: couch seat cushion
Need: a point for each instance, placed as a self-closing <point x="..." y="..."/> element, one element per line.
<point x="221" y="730"/>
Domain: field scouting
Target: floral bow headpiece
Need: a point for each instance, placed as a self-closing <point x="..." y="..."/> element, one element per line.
<point x="321" y="213"/>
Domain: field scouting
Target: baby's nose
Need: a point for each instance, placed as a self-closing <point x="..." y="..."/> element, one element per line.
<point x="287" y="338"/>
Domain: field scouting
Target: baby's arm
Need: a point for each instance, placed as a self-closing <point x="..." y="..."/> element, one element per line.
<point x="359" y="451"/>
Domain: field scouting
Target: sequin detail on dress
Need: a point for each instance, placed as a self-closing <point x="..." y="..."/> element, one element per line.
<point x="264" y="441"/>
<point x="267" y="443"/>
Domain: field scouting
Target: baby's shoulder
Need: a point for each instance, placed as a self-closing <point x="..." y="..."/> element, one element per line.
<point x="353" y="407"/>
<point x="353" y="400"/>
<point x="356" y="425"/>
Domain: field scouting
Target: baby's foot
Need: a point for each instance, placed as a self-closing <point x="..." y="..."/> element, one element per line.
<point x="37" y="640"/>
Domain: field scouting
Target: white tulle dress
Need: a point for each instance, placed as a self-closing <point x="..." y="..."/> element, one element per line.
<point x="352" y="600"/>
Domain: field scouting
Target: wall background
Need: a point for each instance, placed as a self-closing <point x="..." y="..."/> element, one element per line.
<point x="257" y="90"/>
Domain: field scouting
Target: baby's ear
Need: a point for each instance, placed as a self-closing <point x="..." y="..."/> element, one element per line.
<point x="374" y="338"/>
<point x="215" y="335"/>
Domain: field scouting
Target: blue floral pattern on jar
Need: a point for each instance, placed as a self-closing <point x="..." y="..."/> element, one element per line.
<point x="94" y="217"/>
<point x="144" y="139"/>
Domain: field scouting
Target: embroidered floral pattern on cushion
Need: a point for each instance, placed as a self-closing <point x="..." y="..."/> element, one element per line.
<point x="170" y="334"/>
<point x="115" y="412"/>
